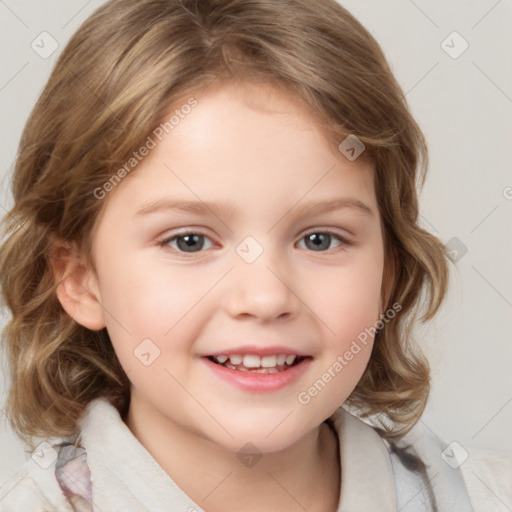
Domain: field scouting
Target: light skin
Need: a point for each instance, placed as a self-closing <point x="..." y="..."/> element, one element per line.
<point x="263" y="153"/>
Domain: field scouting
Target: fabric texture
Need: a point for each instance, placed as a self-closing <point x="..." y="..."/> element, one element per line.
<point x="105" y="468"/>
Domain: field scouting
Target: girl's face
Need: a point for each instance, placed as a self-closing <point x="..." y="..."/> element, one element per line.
<point x="241" y="235"/>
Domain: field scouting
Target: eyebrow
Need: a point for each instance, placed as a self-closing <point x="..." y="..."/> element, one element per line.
<point x="227" y="210"/>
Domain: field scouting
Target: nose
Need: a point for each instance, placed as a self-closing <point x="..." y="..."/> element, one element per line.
<point x="262" y="290"/>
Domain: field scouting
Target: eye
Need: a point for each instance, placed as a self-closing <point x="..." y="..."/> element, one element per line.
<point x="320" y="241"/>
<point x="186" y="242"/>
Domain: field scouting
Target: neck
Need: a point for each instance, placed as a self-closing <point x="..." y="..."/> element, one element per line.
<point x="304" y="476"/>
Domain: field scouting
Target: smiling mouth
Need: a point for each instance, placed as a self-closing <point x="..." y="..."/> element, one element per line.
<point x="253" y="363"/>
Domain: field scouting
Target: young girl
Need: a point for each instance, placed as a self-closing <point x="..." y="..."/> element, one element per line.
<point x="149" y="374"/>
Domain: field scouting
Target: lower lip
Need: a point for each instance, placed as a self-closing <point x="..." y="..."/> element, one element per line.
<point x="259" y="382"/>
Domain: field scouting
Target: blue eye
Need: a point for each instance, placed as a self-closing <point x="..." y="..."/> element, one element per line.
<point x="320" y="241"/>
<point x="187" y="242"/>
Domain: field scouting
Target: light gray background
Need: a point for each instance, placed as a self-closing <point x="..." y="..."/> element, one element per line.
<point x="463" y="105"/>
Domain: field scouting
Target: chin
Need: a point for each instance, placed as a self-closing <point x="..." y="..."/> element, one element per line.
<point x="269" y="436"/>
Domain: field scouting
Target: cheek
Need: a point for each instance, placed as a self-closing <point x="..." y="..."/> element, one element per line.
<point x="347" y="305"/>
<point x="349" y="312"/>
<point x="347" y="300"/>
<point x="143" y="304"/>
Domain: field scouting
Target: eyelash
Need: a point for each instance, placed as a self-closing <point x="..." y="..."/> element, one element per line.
<point x="343" y="241"/>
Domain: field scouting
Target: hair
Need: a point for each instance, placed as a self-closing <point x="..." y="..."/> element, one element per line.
<point x="112" y="84"/>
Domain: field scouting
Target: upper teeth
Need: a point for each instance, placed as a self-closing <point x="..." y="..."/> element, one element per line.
<point x="255" y="361"/>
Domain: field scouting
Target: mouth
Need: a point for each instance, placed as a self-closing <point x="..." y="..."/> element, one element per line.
<point x="254" y="363"/>
<point x="258" y="369"/>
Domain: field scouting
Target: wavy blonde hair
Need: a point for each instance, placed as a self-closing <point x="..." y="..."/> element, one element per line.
<point x="112" y="83"/>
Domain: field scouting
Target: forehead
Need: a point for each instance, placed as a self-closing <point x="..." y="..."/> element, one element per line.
<point x="245" y="144"/>
<point x="251" y="103"/>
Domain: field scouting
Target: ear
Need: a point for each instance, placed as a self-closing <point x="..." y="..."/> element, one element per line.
<point x="77" y="285"/>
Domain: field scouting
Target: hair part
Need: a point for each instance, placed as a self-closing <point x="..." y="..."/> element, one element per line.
<point x="120" y="72"/>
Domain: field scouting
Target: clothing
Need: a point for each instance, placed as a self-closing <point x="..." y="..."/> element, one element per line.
<point x="107" y="462"/>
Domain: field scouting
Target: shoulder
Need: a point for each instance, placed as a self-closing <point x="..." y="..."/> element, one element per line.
<point x="43" y="482"/>
<point x="488" y="477"/>
<point x="32" y="489"/>
<point x="456" y="471"/>
<point x="20" y="492"/>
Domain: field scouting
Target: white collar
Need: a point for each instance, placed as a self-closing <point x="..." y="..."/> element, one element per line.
<point x="367" y="482"/>
<point x="126" y="477"/>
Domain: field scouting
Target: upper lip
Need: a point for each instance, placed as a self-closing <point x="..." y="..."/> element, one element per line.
<point x="258" y="350"/>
